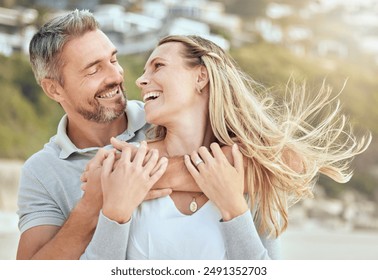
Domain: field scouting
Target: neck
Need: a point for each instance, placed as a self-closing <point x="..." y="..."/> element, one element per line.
<point x="84" y="133"/>
<point x="186" y="138"/>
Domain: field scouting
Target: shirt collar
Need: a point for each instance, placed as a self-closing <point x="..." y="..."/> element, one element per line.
<point x="135" y="118"/>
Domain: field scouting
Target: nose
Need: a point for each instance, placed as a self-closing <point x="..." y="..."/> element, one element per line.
<point x="142" y="81"/>
<point x="114" y="74"/>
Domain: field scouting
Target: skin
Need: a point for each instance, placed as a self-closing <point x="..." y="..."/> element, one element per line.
<point x="92" y="82"/>
<point x="221" y="175"/>
<point x="178" y="107"/>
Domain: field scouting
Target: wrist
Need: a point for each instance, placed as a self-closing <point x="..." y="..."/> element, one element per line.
<point x="117" y="215"/>
<point x="229" y="214"/>
<point x="87" y="212"/>
<point x="90" y="203"/>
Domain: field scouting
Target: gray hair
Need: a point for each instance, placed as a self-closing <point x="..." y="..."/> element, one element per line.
<point x="46" y="46"/>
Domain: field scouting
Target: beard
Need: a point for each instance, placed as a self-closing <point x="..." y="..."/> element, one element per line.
<point x="102" y="114"/>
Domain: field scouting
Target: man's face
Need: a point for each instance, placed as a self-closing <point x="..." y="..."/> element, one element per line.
<point x="93" y="79"/>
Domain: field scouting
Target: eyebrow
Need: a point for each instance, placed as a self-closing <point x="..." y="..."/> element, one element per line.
<point x="152" y="62"/>
<point x="89" y="65"/>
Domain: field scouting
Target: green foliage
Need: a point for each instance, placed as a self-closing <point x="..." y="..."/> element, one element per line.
<point x="133" y="68"/>
<point x="362" y="182"/>
<point x="17" y="124"/>
<point x="28" y="118"/>
<point x="273" y="65"/>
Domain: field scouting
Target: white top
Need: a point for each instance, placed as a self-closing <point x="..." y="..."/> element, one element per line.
<point x="160" y="231"/>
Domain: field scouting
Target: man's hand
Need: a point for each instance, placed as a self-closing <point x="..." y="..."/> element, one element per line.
<point x="91" y="179"/>
<point x="120" y="145"/>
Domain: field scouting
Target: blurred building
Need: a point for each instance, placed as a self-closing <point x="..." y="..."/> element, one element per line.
<point x="139" y="32"/>
<point x="16" y="30"/>
<point x="67" y="4"/>
<point x="325" y="28"/>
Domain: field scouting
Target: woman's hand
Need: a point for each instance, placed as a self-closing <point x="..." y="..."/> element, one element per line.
<point x="221" y="181"/>
<point x="126" y="184"/>
<point x="91" y="175"/>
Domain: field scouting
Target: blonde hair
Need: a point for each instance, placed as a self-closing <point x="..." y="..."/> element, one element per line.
<point x="273" y="135"/>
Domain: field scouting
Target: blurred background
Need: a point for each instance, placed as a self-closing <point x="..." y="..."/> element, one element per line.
<point x="312" y="40"/>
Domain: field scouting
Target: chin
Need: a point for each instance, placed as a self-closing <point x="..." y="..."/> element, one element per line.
<point x="152" y="120"/>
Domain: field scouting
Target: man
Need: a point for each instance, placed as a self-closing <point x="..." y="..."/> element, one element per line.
<point x="76" y="65"/>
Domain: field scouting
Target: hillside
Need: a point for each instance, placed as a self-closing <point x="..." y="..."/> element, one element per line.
<point x="28" y="118"/>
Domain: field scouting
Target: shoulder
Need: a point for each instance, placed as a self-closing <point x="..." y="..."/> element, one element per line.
<point x="44" y="157"/>
<point x="135" y="105"/>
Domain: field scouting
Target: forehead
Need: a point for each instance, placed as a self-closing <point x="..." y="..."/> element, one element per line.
<point x="168" y="51"/>
<point x="92" y="46"/>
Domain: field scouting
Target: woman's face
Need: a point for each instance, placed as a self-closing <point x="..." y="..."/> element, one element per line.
<point x="168" y="86"/>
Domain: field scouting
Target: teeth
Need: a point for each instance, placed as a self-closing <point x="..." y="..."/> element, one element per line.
<point x="151" y="96"/>
<point x="109" y="94"/>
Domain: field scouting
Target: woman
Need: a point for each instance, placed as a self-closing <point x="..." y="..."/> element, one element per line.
<point x="195" y="95"/>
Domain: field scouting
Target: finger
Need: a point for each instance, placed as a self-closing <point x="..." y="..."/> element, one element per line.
<point x="163" y="163"/>
<point x="205" y="155"/>
<point x="148" y="156"/>
<point x="217" y="151"/>
<point x="238" y="158"/>
<point x="152" y="161"/>
<point x="141" y="154"/>
<point x="99" y="157"/>
<point x="107" y="165"/>
<point x="157" y="166"/>
<point x="191" y="168"/>
<point x="118" y="155"/>
<point x="196" y="159"/>
<point x="125" y="155"/>
<point x="152" y="194"/>
<point x="118" y="144"/>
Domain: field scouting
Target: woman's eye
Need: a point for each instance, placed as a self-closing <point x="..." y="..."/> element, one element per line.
<point x="157" y="65"/>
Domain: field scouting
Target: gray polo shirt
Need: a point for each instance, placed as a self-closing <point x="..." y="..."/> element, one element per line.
<point x="50" y="183"/>
<point x="50" y="187"/>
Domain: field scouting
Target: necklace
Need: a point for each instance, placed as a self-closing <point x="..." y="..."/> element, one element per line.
<point x="193" y="206"/>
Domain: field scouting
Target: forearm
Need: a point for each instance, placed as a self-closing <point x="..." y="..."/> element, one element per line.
<point x="109" y="241"/>
<point x="177" y="177"/>
<point x="243" y="242"/>
<point x="73" y="237"/>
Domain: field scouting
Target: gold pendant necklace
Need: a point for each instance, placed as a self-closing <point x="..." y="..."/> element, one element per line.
<point x="193" y="206"/>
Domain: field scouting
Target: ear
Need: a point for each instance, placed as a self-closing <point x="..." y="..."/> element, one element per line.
<point x="203" y="78"/>
<point x="52" y="89"/>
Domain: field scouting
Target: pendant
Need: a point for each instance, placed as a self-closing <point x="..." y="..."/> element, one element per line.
<point x="193" y="206"/>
